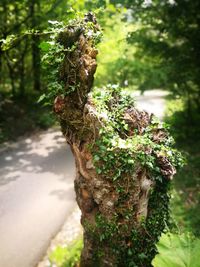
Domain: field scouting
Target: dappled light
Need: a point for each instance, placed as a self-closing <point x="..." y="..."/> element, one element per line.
<point x="45" y="153"/>
<point x="36" y="193"/>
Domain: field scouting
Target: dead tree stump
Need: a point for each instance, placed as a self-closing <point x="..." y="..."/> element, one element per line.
<point x="124" y="159"/>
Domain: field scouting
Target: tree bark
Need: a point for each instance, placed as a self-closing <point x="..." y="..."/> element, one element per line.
<point x="11" y="69"/>
<point x="36" y="58"/>
<point x="22" y="69"/>
<point x="122" y="219"/>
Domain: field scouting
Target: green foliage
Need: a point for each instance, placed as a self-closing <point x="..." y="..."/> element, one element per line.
<point x="23" y="26"/>
<point x="116" y="153"/>
<point x="184" y="123"/>
<point x="54" y="55"/>
<point x="185" y="202"/>
<point x="141" y="240"/>
<point x="17" y="119"/>
<point x="66" y="256"/>
<point x="55" y="51"/>
<point x="167" y="41"/>
<point x="24" y="39"/>
<point x="177" y="251"/>
<point x="114" y="65"/>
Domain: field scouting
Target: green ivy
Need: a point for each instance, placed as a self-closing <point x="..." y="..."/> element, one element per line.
<point x="115" y="150"/>
<point x="55" y="51"/>
<point x="116" y="156"/>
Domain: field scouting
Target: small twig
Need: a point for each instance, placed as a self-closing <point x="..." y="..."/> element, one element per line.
<point x="71" y="62"/>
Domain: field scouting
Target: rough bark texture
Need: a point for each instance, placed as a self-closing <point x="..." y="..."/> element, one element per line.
<point x="122" y="219"/>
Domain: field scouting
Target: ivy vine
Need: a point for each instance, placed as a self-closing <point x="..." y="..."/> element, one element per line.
<point x="116" y="152"/>
<point x="56" y="50"/>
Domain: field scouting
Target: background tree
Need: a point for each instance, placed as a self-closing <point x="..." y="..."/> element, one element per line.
<point x="167" y="42"/>
<point x="22" y="79"/>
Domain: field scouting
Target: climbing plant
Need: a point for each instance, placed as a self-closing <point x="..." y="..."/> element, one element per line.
<point x="124" y="157"/>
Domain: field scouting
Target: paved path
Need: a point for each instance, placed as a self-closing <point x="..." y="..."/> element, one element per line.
<point x="152" y="101"/>
<point x="36" y="196"/>
<point x="36" y="191"/>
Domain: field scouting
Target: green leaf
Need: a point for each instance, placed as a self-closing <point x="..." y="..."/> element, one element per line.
<point x="96" y="158"/>
<point x="71" y="13"/>
<point x="99" y="171"/>
<point x="44" y="46"/>
<point x="130" y="161"/>
<point x="130" y="252"/>
<point x="66" y="256"/>
<point x="41" y="98"/>
<point x="177" y="251"/>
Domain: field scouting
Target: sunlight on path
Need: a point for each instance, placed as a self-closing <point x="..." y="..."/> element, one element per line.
<point x="36" y="195"/>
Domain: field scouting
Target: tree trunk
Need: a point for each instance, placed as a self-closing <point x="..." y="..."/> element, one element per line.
<point x="22" y="69"/>
<point x="122" y="195"/>
<point x="36" y="58"/>
<point x="11" y="74"/>
<point x="1" y="59"/>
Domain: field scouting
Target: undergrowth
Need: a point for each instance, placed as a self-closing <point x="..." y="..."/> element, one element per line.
<point x="66" y="256"/>
<point x="23" y="116"/>
<point x="185" y="201"/>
